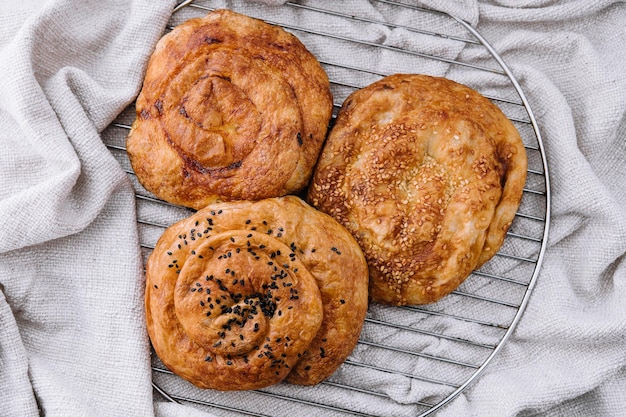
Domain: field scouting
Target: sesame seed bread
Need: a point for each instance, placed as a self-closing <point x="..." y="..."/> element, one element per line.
<point x="427" y="174"/>
<point x="242" y="295"/>
<point x="231" y="108"/>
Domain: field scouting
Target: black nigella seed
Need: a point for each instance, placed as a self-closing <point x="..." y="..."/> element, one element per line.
<point x="264" y="222"/>
<point x="219" y="212"/>
<point x="299" y="138"/>
<point x="169" y="253"/>
<point x="248" y="221"/>
<point x="269" y="231"/>
<point x="229" y="363"/>
<point x="306" y="368"/>
<point x="193" y="252"/>
<point x="156" y="286"/>
<point x="193" y="290"/>
<point x="232" y="239"/>
<point x="313" y="250"/>
<point x="342" y="301"/>
<point x="200" y="256"/>
<point x="208" y="359"/>
<point x="170" y="266"/>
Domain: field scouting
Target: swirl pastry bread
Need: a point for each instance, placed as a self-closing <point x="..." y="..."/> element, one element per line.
<point x="427" y="175"/>
<point x="242" y="295"/>
<point x="231" y="108"/>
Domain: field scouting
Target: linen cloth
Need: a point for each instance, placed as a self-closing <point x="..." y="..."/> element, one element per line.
<point x="72" y="327"/>
<point x="72" y="336"/>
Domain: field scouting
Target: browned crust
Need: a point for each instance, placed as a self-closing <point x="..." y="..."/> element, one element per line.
<point x="231" y="108"/>
<point x="299" y="280"/>
<point x="427" y="175"/>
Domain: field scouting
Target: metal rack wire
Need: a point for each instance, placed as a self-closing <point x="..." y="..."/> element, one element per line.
<point x="421" y="356"/>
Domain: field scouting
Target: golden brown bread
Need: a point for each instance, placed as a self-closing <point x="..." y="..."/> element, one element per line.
<point x="427" y="175"/>
<point x="231" y="108"/>
<point x="242" y="295"/>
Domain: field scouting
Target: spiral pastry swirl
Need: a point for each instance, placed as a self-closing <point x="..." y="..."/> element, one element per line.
<point x="242" y="295"/>
<point x="231" y="108"/>
<point x="427" y="174"/>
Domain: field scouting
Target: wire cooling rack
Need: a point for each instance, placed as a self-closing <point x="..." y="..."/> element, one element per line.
<point x="409" y="360"/>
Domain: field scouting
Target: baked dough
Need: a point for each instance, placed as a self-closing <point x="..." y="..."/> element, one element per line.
<point x="427" y="175"/>
<point x="242" y="295"/>
<point x="231" y="108"/>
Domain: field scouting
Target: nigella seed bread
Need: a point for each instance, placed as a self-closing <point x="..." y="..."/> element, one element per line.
<point x="242" y="295"/>
<point x="231" y="108"/>
<point x="427" y="174"/>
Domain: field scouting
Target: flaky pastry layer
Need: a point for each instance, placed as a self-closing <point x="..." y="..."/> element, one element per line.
<point x="231" y="108"/>
<point x="427" y="174"/>
<point x="242" y="295"/>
